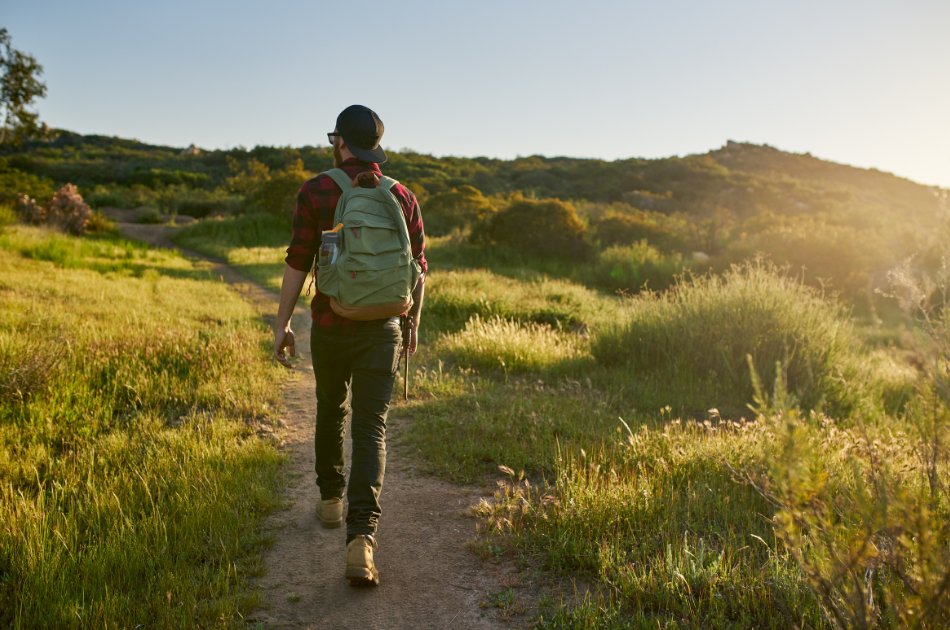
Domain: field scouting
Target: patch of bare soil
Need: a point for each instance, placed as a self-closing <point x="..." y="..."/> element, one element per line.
<point x="428" y="578"/>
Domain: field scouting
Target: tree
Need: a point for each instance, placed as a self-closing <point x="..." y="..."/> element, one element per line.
<point x="19" y="86"/>
<point x="274" y="192"/>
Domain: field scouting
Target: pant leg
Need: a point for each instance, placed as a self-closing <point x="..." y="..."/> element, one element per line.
<point x="331" y="369"/>
<point x="374" y="375"/>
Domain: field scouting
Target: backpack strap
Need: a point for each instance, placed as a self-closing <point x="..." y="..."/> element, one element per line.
<point x="343" y="180"/>
<point x="339" y="176"/>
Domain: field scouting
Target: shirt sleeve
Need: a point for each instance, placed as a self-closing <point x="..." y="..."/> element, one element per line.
<point x="303" y="242"/>
<point x="417" y="238"/>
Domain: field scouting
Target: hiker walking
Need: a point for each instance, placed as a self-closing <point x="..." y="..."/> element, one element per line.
<point x="365" y="230"/>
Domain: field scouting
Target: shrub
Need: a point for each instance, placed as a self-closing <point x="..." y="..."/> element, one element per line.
<point x="151" y="217"/>
<point x="101" y="224"/>
<point x="68" y="211"/>
<point x="458" y="209"/>
<point x="549" y="228"/>
<point x="109" y="198"/>
<point x="30" y="212"/>
<point x="623" y="229"/>
<point x="14" y="182"/>
<point x="703" y="330"/>
<point x="125" y="197"/>
<point x="862" y="509"/>
<point x="633" y="267"/>
<point x="201" y="209"/>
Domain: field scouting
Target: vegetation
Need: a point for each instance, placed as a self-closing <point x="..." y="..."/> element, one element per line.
<point x="549" y="229"/>
<point x="631" y="458"/>
<point x="20" y="85"/>
<point x="704" y="330"/>
<point x="843" y="226"/>
<point x="133" y="480"/>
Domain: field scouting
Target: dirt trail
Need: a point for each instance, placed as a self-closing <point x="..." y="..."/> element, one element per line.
<point x="428" y="579"/>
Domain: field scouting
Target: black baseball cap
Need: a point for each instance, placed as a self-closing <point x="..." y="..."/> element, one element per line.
<point x="362" y="130"/>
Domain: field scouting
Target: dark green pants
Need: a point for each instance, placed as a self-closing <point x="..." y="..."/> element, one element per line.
<point x="366" y="362"/>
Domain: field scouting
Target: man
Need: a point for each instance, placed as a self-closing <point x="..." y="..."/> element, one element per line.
<point x="363" y="355"/>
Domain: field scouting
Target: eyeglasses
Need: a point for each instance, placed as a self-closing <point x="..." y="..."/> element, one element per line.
<point x="330" y="136"/>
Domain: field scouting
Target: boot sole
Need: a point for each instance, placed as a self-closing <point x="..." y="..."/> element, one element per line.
<point x="330" y="524"/>
<point x="360" y="576"/>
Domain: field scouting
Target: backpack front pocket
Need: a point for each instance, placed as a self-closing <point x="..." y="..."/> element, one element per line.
<point x="369" y="235"/>
<point x="374" y="287"/>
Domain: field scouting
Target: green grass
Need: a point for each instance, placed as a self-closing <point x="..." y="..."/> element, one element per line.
<point x="102" y="253"/>
<point x="662" y="529"/>
<point x="453" y="296"/>
<point x="133" y="483"/>
<point x="254" y="244"/>
<point x="523" y="367"/>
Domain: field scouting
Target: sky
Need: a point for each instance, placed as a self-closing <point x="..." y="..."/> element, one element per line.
<point x="864" y="82"/>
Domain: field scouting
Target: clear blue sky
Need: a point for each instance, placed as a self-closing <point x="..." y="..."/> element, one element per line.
<point x="860" y="82"/>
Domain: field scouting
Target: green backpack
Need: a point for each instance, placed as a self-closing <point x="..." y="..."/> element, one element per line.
<point x="374" y="273"/>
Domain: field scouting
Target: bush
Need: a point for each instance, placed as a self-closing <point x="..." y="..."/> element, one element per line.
<point x="151" y="217"/>
<point x="30" y="212"/>
<point x="68" y="211"/>
<point x="101" y="224"/>
<point x="458" y="209"/>
<point x="634" y="267"/>
<point x="549" y="228"/>
<point x="273" y="192"/>
<point x="703" y="330"/>
<point x="623" y="229"/>
<point x="201" y="209"/>
<point x="125" y="197"/>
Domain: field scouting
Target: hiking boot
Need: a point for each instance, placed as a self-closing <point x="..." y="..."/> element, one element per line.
<point x="360" y="569"/>
<point x="330" y="513"/>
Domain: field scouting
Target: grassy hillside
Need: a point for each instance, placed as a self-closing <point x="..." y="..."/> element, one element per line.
<point x="133" y="478"/>
<point x="841" y="227"/>
<point x="724" y="444"/>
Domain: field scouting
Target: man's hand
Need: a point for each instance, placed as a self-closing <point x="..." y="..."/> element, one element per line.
<point x="284" y="339"/>
<point x="413" y="336"/>
<point x="283" y="336"/>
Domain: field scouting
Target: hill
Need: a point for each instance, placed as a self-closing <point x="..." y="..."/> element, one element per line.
<point x="643" y="218"/>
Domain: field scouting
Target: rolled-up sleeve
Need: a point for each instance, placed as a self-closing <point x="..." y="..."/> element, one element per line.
<point x="303" y="242"/>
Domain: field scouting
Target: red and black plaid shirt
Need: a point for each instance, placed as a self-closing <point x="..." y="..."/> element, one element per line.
<point x="316" y="205"/>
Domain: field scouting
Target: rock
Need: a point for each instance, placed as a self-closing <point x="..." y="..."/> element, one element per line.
<point x="191" y="150"/>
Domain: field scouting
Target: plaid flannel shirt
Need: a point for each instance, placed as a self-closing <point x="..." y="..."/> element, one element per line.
<point x="316" y="205"/>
